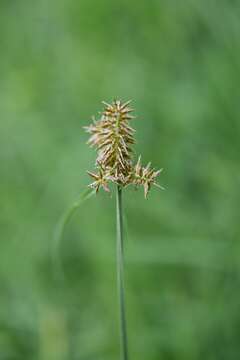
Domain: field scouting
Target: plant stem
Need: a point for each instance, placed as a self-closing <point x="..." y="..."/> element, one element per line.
<point x="120" y="275"/>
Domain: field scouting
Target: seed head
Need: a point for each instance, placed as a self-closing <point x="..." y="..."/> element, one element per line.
<point x="101" y="179"/>
<point x="112" y="136"/>
<point x="145" y="176"/>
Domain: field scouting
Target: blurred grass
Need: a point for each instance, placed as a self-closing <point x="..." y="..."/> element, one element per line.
<point x="179" y="62"/>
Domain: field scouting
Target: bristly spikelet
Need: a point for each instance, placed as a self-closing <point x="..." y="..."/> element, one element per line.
<point x="145" y="176"/>
<point x="117" y="109"/>
<point x="101" y="179"/>
<point x="113" y="138"/>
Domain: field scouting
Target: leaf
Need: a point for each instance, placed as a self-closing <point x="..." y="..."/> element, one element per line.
<point x="60" y="228"/>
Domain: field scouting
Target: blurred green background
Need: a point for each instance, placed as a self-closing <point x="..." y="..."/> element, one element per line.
<point x="180" y="63"/>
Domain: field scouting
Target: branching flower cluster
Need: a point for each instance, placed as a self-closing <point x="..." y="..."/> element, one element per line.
<point x="113" y="138"/>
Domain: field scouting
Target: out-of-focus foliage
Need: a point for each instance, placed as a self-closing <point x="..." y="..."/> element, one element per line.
<point x="180" y="63"/>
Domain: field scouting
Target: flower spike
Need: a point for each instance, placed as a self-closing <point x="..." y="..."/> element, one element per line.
<point x="113" y="138"/>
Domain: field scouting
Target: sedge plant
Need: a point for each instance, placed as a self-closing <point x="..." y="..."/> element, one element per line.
<point x="113" y="138"/>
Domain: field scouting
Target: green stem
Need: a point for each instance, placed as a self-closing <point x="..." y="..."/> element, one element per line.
<point x="120" y="274"/>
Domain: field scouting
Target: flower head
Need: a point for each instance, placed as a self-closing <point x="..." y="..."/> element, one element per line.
<point x="113" y="138"/>
<point x="101" y="179"/>
<point x="145" y="176"/>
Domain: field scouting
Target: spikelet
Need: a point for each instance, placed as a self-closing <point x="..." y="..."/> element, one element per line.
<point x="145" y="176"/>
<point x="113" y="138"/>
